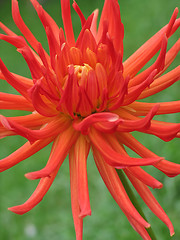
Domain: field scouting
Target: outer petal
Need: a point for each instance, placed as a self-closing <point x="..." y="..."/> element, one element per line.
<point x="23" y="152"/>
<point x="114" y="185"/>
<point x="81" y="150"/>
<point x="136" y="61"/>
<point x="66" y="16"/>
<point x="78" y="222"/>
<point x="114" y="158"/>
<point x="22" y="26"/>
<point x="15" y="102"/>
<point x="169" y="168"/>
<point x="150" y="200"/>
<point x="37" y="196"/>
<point x="60" y="149"/>
<point x="142" y="108"/>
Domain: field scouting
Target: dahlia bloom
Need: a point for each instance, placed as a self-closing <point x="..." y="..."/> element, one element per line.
<point x="83" y="97"/>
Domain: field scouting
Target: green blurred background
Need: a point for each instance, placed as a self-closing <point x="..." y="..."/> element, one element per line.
<point x="52" y="218"/>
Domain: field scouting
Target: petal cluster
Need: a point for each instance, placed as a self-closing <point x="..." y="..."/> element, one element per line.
<point x="83" y="97"/>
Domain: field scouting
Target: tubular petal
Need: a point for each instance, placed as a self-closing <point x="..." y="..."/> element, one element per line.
<point x="22" y="26"/>
<point x="139" y="228"/>
<point x="81" y="151"/>
<point x="150" y="48"/>
<point x="60" y="149"/>
<point x="17" y="41"/>
<point x="7" y="30"/>
<point x="164" y="131"/>
<point x="161" y="83"/>
<point x="150" y="201"/>
<point x="34" y="65"/>
<point x="78" y="10"/>
<point x="45" y="18"/>
<point x="114" y="158"/>
<point x="37" y="196"/>
<point x="159" y="65"/>
<point x="66" y="16"/>
<point x="15" y="102"/>
<point x="134" y="125"/>
<point x="170" y="56"/>
<point x="78" y="222"/>
<point x="115" y="187"/>
<point x="144" y="177"/>
<point x="21" y="87"/>
<point x="24" y="80"/>
<point x="136" y="91"/>
<point x="23" y="152"/>
<point x="53" y="128"/>
<point x="169" y="168"/>
<point x="142" y="108"/>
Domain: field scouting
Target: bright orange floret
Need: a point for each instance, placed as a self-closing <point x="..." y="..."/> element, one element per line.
<point x="83" y="97"/>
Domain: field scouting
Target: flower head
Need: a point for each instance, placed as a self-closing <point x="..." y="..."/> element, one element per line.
<point x="83" y="97"/>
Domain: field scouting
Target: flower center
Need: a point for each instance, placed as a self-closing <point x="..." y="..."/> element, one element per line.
<point x="84" y="89"/>
<point x="82" y="73"/>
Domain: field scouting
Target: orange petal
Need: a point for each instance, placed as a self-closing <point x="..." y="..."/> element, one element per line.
<point x="113" y="157"/>
<point x="150" y="201"/>
<point x="142" y="108"/>
<point x="37" y="196"/>
<point x="161" y="83"/>
<point x="78" y="222"/>
<point x="22" y="153"/>
<point x="15" y="102"/>
<point x="60" y="149"/>
<point x="115" y="187"/>
<point x="66" y="16"/>
<point x="22" y="26"/>
<point x="137" y="60"/>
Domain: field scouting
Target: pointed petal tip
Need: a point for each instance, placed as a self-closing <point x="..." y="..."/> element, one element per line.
<point x="15" y="210"/>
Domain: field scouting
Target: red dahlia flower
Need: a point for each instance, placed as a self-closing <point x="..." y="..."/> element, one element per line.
<point x="83" y="97"/>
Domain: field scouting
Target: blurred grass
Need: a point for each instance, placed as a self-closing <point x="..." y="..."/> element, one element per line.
<point x="52" y="219"/>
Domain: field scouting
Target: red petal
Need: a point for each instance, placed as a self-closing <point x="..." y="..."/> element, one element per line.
<point x="115" y="187"/>
<point x="161" y="83"/>
<point x="113" y="157"/>
<point x="137" y="60"/>
<point x="150" y="201"/>
<point x="66" y="16"/>
<point x="60" y="149"/>
<point x="111" y="13"/>
<point x="169" y="168"/>
<point x="37" y="196"/>
<point x="78" y="222"/>
<point x="22" y="153"/>
<point x="22" y="26"/>
<point x="15" y="102"/>
<point x="109" y="118"/>
<point x="78" y="10"/>
<point x="21" y="87"/>
<point x="138" y="125"/>
<point x="142" y="108"/>
<point x="81" y="151"/>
